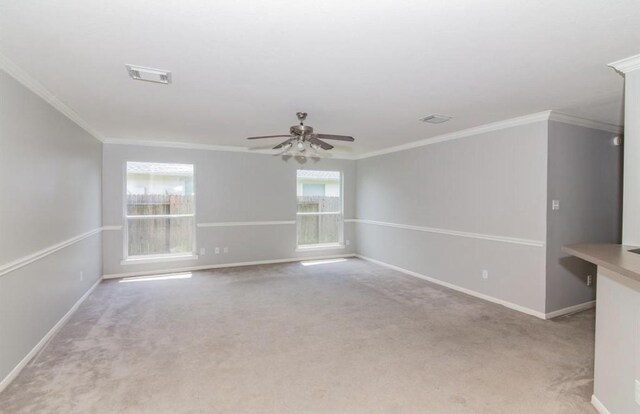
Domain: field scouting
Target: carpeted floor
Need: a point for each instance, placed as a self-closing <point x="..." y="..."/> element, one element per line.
<point x="349" y="337"/>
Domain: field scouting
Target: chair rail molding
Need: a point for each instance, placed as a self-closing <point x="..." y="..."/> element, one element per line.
<point x="480" y="236"/>
<point x="245" y="223"/>
<point x="25" y="260"/>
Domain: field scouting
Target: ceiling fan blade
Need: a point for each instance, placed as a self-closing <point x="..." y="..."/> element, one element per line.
<point x="270" y="136"/>
<point x="282" y="144"/>
<point x="336" y="137"/>
<point x="322" y="144"/>
<point x="260" y="148"/>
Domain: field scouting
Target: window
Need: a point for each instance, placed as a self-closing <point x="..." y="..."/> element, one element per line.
<point x="159" y="210"/>
<point x="319" y="208"/>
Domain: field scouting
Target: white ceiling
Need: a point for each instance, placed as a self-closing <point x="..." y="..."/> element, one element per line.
<point x="367" y="68"/>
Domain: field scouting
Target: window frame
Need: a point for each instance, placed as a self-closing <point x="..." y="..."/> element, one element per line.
<point x="165" y="257"/>
<point x="321" y="246"/>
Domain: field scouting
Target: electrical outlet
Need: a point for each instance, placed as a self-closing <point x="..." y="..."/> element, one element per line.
<point x="485" y="274"/>
<point x="555" y="204"/>
<point x="202" y="251"/>
<point x="217" y="250"/>
<point x="637" y="392"/>
<point x="81" y="276"/>
<point x="225" y="250"/>
<point x="589" y="280"/>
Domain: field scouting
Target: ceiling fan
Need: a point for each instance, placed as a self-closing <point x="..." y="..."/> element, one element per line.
<point x="302" y="136"/>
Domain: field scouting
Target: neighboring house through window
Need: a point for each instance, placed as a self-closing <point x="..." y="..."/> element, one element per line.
<point x="319" y="208"/>
<point x="313" y="189"/>
<point x="159" y="210"/>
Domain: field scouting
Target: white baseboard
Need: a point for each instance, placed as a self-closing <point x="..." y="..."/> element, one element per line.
<point x="599" y="406"/>
<point x="570" y="309"/>
<point x="18" y="368"/>
<point x="470" y="292"/>
<point x="222" y="265"/>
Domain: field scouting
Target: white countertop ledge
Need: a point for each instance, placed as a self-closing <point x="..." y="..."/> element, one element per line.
<point x="614" y="257"/>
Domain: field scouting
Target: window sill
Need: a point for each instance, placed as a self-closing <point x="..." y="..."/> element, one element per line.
<point x="314" y="247"/>
<point x="158" y="259"/>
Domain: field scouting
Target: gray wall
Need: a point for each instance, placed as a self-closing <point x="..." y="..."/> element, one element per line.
<point x="50" y="178"/>
<point x="490" y="184"/>
<point x="585" y="175"/>
<point x="230" y="187"/>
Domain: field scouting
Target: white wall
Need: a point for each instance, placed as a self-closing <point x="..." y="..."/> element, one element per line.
<point x="617" y="349"/>
<point x="230" y="187"/>
<point x="631" y="208"/>
<point x="617" y="359"/>
<point x="50" y="189"/>
<point x="490" y="184"/>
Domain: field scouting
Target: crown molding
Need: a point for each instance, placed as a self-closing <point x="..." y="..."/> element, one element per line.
<point x="182" y="145"/>
<point x="494" y="126"/>
<point x="626" y="65"/>
<point x="587" y="123"/>
<point x="207" y="147"/>
<point x="36" y="87"/>
<point x="623" y="66"/>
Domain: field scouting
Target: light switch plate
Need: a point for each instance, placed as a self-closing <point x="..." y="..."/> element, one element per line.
<point x="637" y="392"/>
<point x="555" y="204"/>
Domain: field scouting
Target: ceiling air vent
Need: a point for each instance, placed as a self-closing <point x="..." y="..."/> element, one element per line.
<point x="149" y="74"/>
<point x="435" y="119"/>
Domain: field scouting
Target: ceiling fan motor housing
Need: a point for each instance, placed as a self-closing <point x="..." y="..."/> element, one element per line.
<point x="301" y="130"/>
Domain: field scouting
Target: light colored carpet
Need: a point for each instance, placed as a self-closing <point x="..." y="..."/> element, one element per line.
<point x="348" y="337"/>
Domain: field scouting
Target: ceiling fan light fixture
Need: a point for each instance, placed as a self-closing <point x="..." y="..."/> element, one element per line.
<point x="435" y="119"/>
